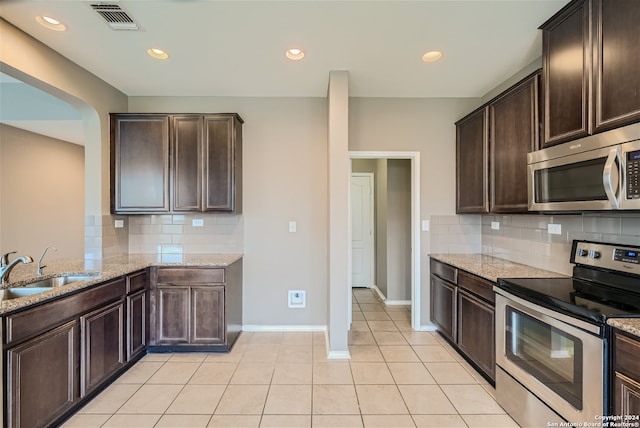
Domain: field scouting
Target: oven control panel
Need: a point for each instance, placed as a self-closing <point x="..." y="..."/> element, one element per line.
<point x="629" y="256"/>
<point x="607" y="256"/>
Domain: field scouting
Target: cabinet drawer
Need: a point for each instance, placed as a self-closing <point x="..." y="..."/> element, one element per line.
<point x="191" y="276"/>
<point x="50" y="314"/>
<point x="478" y="286"/>
<point x="444" y="271"/>
<point x="136" y="281"/>
<point x="626" y="351"/>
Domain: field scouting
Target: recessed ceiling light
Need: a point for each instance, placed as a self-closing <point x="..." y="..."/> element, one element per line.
<point x="157" y="53"/>
<point x="432" y="56"/>
<point x="294" y="54"/>
<point x="50" y="23"/>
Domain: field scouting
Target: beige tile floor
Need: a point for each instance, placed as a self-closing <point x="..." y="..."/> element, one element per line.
<point x="396" y="378"/>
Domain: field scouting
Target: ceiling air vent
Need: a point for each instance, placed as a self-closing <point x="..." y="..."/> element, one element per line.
<point x="115" y="16"/>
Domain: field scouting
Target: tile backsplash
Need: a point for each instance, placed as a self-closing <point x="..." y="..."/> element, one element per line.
<point x="526" y="238"/>
<point x="182" y="233"/>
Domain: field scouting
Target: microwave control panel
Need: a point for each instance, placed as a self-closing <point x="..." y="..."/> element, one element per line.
<point x="633" y="175"/>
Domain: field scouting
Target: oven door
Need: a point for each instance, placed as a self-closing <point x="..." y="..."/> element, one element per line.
<point x="581" y="181"/>
<point x="557" y="358"/>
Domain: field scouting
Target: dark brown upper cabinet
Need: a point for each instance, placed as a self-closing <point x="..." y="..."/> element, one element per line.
<point x="514" y="123"/>
<point x="139" y="163"/>
<point x="590" y="67"/>
<point x="492" y="146"/>
<point x="207" y="163"/>
<point x="472" y="162"/>
<point x="176" y="163"/>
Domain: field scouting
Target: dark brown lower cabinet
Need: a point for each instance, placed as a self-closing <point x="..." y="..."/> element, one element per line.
<point x="59" y="353"/>
<point x="196" y="307"/>
<point x="443" y="306"/>
<point x="626" y="382"/>
<point x="102" y="345"/>
<point x="475" y="331"/>
<point x="173" y="314"/>
<point x="463" y="310"/>
<point x="42" y="381"/>
<point x="207" y="315"/>
<point x="137" y="323"/>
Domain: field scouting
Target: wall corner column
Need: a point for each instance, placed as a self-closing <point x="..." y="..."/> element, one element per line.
<point x="338" y="228"/>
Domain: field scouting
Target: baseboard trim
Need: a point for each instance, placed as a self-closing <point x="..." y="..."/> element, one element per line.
<point x="339" y="355"/>
<point x="397" y="302"/>
<point x="276" y="328"/>
<point x="428" y="327"/>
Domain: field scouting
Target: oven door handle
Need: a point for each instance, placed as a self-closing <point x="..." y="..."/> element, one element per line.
<point x="611" y="178"/>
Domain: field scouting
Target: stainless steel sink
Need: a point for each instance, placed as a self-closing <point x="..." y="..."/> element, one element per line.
<point x="16" y="292"/>
<point x="57" y="281"/>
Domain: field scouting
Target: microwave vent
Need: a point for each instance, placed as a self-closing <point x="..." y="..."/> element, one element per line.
<point x="115" y="16"/>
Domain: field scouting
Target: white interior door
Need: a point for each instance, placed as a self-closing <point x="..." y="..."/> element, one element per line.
<point x="362" y="232"/>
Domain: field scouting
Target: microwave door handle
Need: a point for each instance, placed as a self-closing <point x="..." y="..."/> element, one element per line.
<point x="611" y="178"/>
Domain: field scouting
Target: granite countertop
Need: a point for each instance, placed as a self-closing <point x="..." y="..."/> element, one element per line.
<point x="101" y="270"/>
<point x="630" y="325"/>
<point x="492" y="268"/>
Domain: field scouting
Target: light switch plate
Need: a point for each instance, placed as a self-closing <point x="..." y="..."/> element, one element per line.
<point x="293" y="226"/>
<point x="118" y="224"/>
<point x="495" y="225"/>
<point x="425" y="225"/>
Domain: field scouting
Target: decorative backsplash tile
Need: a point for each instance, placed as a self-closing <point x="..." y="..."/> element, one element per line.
<point x="526" y="238"/>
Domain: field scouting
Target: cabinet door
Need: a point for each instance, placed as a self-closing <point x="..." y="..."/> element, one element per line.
<point x="102" y="345"/>
<point x="187" y="163"/>
<point x="443" y="306"/>
<point x="513" y="126"/>
<point x="221" y="178"/>
<point x="626" y="396"/>
<point x="139" y="163"/>
<point x="42" y="376"/>
<point x="616" y="77"/>
<point x="137" y="323"/>
<point x="476" y="331"/>
<point x="566" y="62"/>
<point x="472" y="148"/>
<point x="207" y="315"/>
<point x="173" y="314"/>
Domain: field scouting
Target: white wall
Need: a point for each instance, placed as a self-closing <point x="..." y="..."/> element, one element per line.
<point x="284" y="179"/>
<point x="42" y="195"/>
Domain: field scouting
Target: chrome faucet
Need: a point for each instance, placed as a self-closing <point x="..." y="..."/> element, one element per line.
<point x="6" y="267"/>
<point x="40" y="266"/>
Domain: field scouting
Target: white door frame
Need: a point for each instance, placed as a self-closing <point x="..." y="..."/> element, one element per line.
<point x="372" y="262"/>
<point x="414" y="157"/>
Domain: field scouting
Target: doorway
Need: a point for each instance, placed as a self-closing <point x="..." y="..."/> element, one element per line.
<point x="401" y="263"/>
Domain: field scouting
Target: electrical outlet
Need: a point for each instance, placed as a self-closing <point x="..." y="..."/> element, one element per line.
<point x="118" y="224"/>
<point x="495" y="225"/>
<point x="293" y="226"/>
<point x="197" y="222"/>
<point x="297" y="299"/>
<point x="554" y="229"/>
<point x="425" y="225"/>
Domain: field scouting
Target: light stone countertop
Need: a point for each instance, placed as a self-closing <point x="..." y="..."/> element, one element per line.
<point x="104" y="270"/>
<point x="492" y="268"/>
<point x="630" y="325"/>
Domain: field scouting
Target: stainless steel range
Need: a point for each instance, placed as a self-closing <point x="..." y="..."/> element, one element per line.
<point x="552" y="338"/>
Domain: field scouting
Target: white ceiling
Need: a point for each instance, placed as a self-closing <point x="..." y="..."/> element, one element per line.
<point x="236" y="48"/>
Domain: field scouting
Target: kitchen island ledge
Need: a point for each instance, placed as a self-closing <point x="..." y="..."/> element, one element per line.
<point x="104" y="270"/>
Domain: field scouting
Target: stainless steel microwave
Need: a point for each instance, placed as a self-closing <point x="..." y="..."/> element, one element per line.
<point x="600" y="172"/>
